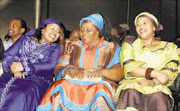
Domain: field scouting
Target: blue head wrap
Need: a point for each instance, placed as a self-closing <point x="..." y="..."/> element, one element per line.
<point x="45" y="22"/>
<point x="97" y="19"/>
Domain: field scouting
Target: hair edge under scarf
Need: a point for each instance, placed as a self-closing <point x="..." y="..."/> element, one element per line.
<point x="97" y="19"/>
<point x="152" y="18"/>
<point x="45" y="22"/>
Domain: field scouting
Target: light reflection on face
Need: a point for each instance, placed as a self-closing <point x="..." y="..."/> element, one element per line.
<point x="50" y="33"/>
<point x="14" y="28"/>
<point x="89" y="34"/>
<point x="145" y="28"/>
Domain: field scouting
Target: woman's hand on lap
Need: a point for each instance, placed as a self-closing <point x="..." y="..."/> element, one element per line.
<point x="145" y="82"/>
<point x="16" y="66"/>
<point x="19" y="74"/>
<point x="75" y="73"/>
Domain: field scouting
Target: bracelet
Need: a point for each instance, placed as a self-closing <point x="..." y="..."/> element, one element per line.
<point x="148" y="73"/>
<point x="153" y="82"/>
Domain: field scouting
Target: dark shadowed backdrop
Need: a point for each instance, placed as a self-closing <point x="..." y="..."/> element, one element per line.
<point x="69" y="12"/>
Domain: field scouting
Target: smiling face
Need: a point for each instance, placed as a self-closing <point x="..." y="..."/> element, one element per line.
<point x="50" y="33"/>
<point x="144" y="28"/>
<point x="89" y="34"/>
<point x="14" y="28"/>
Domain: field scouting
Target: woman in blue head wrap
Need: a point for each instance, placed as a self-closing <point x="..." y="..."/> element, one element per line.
<point x="28" y="67"/>
<point x="86" y="72"/>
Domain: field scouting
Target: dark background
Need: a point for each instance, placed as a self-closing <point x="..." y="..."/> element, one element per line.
<point x="69" y="12"/>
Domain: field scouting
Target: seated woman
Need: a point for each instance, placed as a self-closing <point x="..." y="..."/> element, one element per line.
<point x="150" y="66"/>
<point x="29" y="66"/>
<point x="86" y="72"/>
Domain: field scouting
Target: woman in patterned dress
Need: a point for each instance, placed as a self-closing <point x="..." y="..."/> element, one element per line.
<point x="28" y="67"/>
<point x="86" y="72"/>
<point x="150" y="66"/>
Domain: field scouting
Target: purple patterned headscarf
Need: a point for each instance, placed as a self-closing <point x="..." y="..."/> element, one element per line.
<point x="45" y="22"/>
<point x="50" y="21"/>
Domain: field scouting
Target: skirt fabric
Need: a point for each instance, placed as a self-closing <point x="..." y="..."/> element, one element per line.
<point x="78" y="95"/>
<point x="18" y="94"/>
<point x="143" y="102"/>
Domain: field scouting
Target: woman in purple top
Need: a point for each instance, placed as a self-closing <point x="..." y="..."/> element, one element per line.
<point x="28" y="67"/>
